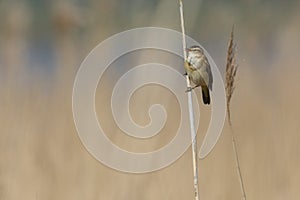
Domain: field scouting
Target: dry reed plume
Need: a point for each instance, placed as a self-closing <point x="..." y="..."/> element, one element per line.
<point x="231" y="70"/>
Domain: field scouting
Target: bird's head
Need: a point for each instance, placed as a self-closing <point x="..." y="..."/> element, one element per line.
<point x="194" y="51"/>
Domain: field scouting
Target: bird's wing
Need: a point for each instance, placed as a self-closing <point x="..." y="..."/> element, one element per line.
<point x="208" y="70"/>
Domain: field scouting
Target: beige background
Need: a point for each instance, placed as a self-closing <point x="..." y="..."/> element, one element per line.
<point x="42" y="46"/>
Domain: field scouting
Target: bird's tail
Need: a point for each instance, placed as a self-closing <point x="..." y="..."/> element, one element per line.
<point x="205" y="95"/>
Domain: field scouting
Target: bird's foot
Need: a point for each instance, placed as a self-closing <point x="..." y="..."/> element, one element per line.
<point x="189" y="89"/>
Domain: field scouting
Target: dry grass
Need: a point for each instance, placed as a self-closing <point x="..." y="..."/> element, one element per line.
<point x="231" y="69"/>
<point x="43" y="158"/>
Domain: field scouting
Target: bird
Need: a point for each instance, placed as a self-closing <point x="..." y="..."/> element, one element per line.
<point x="198" y="70"/>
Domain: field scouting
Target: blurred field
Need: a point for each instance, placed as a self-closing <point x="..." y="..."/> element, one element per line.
<point x="41" y="48"/>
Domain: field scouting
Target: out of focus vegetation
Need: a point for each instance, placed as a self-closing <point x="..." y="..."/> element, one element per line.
<point x="42" y="44"/>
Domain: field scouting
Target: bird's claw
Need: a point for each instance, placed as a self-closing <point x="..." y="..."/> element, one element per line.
<point x="188" y="89"/>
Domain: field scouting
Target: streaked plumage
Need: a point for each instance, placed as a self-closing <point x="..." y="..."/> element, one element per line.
<point x="198" y="69"/>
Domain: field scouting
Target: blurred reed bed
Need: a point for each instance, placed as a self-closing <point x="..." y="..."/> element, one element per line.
<point x="43" y="158"/>
<point x="38" y="140"/>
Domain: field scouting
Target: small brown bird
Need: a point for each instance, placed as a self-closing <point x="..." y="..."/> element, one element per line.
<point x="198" y="69"/>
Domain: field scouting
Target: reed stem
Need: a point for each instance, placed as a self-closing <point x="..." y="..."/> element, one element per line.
<point x="191" y="110"/>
